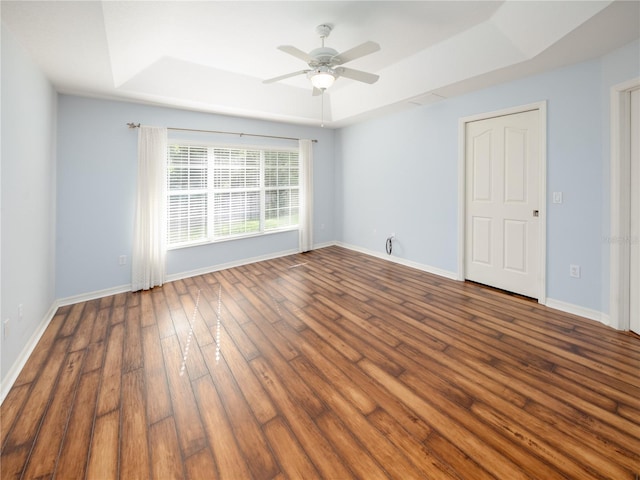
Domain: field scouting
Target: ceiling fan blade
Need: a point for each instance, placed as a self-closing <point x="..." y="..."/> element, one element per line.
<point x="316" y="91"/>
<point x="287" y="75"/>
<point x="356" y="52"/>
<point x="296" y="52"/>
<point x="358" y="75"/>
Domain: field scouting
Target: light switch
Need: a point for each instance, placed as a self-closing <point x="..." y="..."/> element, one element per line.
<point x="557" y="197"/>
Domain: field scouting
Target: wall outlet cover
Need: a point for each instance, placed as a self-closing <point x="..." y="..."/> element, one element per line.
<point x="557" y="197"/>
<point x="574" y="271"/>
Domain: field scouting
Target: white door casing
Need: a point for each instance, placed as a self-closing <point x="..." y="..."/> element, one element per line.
<point x="634" y="237"/>
<point x="620" y="238"/>
<point x="502" y="197"/>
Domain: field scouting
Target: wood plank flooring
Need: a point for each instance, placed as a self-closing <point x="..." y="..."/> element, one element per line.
<point x="330" y="364"/>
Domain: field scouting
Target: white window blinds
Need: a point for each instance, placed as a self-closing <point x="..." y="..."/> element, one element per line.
<point x="236" y="192"/>
<point x="216" y="193"/>
<point x="187" y="194"/>
<point x="281" y="189"/>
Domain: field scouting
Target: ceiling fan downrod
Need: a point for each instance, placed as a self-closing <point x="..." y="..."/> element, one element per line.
<point x="323" y="30"/>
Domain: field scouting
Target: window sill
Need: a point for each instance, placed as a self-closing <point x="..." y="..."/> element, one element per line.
<point x="230" y="239"/>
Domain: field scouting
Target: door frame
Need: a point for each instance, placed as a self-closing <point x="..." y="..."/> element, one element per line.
<point x="541" y="107"/>
<point x="620" y="198"/>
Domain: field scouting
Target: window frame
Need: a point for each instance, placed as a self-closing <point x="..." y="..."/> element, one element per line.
<point x="211" y="191"/>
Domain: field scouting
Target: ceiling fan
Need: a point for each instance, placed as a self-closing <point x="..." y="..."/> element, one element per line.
<point x="325" y="63"/>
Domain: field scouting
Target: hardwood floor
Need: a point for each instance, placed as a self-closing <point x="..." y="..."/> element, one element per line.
<point x="330" y="364"/>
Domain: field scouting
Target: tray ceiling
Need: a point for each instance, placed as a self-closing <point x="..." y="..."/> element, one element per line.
<point x="212" y="56"/>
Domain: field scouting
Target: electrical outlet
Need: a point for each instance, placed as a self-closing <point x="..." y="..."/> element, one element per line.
<point x="5" y="329"/>
<point x="20" y="311"/>
<point x="557" y="197"/>
<point x="574" y="271"/>
<point x="122" y="260"/>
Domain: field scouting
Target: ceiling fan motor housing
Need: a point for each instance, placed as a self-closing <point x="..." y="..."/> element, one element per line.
<point x="321" y="69"/>
<point x="322" y="56"/>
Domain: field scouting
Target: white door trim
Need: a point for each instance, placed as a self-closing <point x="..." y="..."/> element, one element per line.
<point x="620" y="194"/>
<point x="542" y="187"/>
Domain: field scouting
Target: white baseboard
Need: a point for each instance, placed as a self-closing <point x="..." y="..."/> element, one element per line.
<point x="85" y="297"/>
<point x="580" y="311"/>
<point x="223" y="266"/>
<point x="408" y="263"/>
<point x="18" y="365"/>
<point x="238" y="263"/>
<point x="324" y="245"/>
<point x="550" y="302"/>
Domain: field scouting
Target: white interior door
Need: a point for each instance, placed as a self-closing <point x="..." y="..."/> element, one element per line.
<point x="502" y="156"/>
<point x="634" y="237"/>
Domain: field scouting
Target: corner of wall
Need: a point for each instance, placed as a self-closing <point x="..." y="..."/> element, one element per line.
<point x="17" y="366"/>
<point x="28" y="131"/>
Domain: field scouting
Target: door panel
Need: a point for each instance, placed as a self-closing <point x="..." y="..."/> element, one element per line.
<point x="502" y="175"/>
<point x="515" y="245"/>
<point x="482" y="167"/>
<point x="515" y="178"/>
<point x="481" y="240"/>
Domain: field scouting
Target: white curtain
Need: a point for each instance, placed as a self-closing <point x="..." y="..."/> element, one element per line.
<point x="149" y="250"/>
<point x="305" y="227"/>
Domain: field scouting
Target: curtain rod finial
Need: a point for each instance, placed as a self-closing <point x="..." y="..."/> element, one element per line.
<point x="133" y="125"/>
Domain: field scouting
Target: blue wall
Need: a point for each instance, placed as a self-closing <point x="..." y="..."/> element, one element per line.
<point x="28" y="199"/>
<point x="399" y="174"/>
<point x="67" y="209"/>
<point x="97" y="168"/>
<point x="396" y="174"/>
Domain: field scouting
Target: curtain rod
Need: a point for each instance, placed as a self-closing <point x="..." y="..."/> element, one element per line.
<point x="137" y="125"/>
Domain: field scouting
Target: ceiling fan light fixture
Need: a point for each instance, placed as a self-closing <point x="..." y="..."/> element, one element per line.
<point x="325" y="64"/>
<point x="322" y="77"/>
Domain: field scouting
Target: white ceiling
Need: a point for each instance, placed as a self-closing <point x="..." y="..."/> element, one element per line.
<point x="212" y="56"/>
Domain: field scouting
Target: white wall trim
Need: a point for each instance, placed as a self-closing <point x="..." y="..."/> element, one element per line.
<point x="550" y="302"/>
<point x="12" y="375"/>
<point x="325" y="245"/>
<point x="224" y="266"/>
<point x="237" y="263"/>
<point x="620" y="193"/>
<point x="407" y="263"/>
<point x="542" y="188"/>
<point x="85" y="297"/>
<point x="579" y="311"/>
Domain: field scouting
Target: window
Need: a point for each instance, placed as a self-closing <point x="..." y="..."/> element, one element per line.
<point x="216" y="193"/>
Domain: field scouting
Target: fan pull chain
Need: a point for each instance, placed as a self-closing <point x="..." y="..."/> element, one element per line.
<point x="322" y="108"/>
